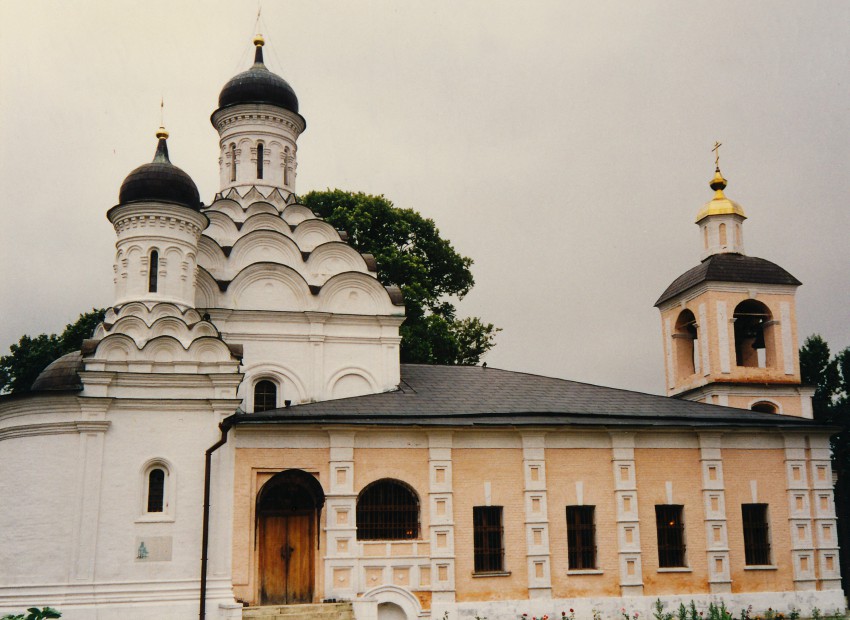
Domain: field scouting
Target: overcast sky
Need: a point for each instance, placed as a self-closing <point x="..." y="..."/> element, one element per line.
<point x="564" y="146"/>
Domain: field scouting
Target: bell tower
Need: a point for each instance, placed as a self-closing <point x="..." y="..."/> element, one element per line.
<point x="258" y="125"/>
<point x="729" y="324"/>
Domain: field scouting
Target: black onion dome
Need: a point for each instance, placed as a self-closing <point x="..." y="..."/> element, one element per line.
<point x="258" y="85"/>
<point x="160" y="181"/>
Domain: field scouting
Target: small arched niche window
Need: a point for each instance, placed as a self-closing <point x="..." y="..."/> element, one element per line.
<point x="153" y="271"/>
<point x="260" y="160"/>
<point x="754" y="338"/>
<point x="387" y="510"/>
<point x="265" y="395"/>
<point x="764" y="407"/>
<point x="722" y="235"/>
<point x="685" y="344"/>
<point x="286" y="166"/>
<point x="232" y="162"/>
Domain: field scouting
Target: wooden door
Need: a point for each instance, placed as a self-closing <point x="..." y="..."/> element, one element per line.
<point x="286" y="559"/>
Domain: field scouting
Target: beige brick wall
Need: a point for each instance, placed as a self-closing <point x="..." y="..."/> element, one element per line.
<point x="767" y="468"/>
<point x="591" y="467"/>
<point x="655" y="467"/>
<point x="503" y="469"/>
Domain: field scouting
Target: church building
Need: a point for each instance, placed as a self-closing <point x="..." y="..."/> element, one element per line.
<point x="238" y="437"/>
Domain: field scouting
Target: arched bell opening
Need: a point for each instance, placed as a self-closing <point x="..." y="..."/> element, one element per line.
<point x="289" y="508"/>
<point x="685" y="343"/>
<point x="764" y="406"/>
<point x="754" y="338"/>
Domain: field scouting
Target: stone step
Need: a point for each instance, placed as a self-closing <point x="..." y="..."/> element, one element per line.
<point x="318" y="611"/>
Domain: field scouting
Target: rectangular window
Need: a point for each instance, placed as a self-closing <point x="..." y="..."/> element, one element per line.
<point x="581" y="537"/>
<point x="488" y="535"/>
<point x="756" y="534"/>
<point x="671" y="536"/>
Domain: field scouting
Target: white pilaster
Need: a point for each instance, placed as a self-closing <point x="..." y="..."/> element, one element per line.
<point x="803" y="555"/>
<point x="704" y="339"/>
<point x="714" y="503"/>
<point x="723" y="337"/>
<point x="342" y="574"/>
<point x="826" y="538"/>
<point x="440" y="497"/>
<point x="536" y="516"/>
<point x="788" y="351"/>
<point x="628" y="527"/>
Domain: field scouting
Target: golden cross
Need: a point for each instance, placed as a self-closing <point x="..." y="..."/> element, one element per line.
<point x="162" y="111"/>
<point x="716" y="150"/>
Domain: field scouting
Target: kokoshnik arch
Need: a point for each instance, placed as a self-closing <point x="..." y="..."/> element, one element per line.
<point x="403" y="491"/>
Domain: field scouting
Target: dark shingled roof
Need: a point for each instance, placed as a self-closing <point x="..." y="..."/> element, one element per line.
<point x="160" y="181"/>
<point x="475" y="396"/>
<point x="258" y="85"/>
<point x="729" y="267"/>
<point x="60" y="374"/>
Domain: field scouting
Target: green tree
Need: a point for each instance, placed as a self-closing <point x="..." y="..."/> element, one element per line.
<point x="412" y="255"/>
<point x="830" y="376"/>
<point x="30" y="356"/>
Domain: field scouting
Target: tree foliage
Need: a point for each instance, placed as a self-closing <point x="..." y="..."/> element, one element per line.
<point x="30" y="356"/>
<point x="412" y="255"/>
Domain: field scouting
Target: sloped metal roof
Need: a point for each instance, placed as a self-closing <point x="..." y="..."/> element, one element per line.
<point x="477" y="396"/>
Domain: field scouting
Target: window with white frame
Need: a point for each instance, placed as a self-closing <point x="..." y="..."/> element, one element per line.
<point x="157" y="497"/>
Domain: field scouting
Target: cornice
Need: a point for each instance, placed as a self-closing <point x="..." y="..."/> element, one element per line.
<point x="54" y="428"/>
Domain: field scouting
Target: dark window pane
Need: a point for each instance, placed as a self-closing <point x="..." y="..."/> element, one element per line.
<point x="756" y="534"/>
<point x="671" y="536"/>
<point x="581" y="537"/>
<point x="153" y="271"/>
<point x="488" y="539"/>
<point x="265" y="396"/>
<point x="387" y="510"/>
<point x="156" y="490"/>
<point x="259" y="161"/>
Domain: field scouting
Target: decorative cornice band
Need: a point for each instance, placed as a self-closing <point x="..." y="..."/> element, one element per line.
<point x="55" y="428"/>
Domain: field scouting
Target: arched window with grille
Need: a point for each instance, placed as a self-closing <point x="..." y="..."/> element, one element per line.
<point x="232" y="162"/>
<point x="153" y="271"/>
<point x="265" y="395"/>
<point x="157" y="491"/>
<point x="260" y="160"/>
<point x="387" y="510"/>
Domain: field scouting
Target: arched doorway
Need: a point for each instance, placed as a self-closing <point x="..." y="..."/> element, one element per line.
<point x="288" y="509"/>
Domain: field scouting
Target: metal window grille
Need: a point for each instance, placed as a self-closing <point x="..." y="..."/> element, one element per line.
<point x="671" y="536"/>
<point x="387" y="510"/>
<point x="488" y="539"/>
<point x="153" y="272"/>
<point x="265" y="396"/>
<point x="756" y="534"/>
<point x="581" y="537"/>
<point x="156" y="490"/>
